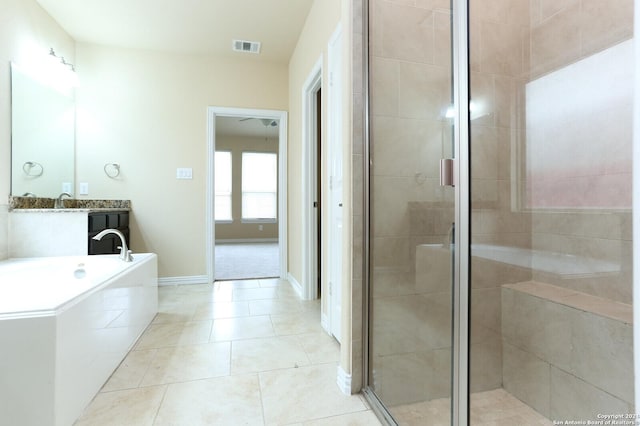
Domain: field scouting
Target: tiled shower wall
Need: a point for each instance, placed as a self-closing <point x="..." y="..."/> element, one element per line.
<point x="562" y="33"/>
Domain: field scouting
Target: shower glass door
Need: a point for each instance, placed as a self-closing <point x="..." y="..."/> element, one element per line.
<point x="527" y="319"/>
<point x="411" y="211"/>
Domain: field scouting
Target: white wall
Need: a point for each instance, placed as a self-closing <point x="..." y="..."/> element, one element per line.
<point x="26" y="34"/>
<point x="147" y="111"/>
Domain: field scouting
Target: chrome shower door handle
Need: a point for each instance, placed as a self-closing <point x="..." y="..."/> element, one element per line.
<point x="447" y="166"/>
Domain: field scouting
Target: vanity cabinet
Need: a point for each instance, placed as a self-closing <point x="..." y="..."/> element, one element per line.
<point x="99" y="221"/>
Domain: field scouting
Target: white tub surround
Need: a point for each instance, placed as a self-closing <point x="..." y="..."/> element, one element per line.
<point x="65" y="325"/>
<point x="48" y="232"/>
<point x="36" y="229"/>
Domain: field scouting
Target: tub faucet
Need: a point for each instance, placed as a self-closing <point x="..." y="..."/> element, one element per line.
<point x="59" y="204"/>
<point x="125" y="253"/>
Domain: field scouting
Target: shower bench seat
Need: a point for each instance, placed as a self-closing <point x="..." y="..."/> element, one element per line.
<point x="567" y="353"/>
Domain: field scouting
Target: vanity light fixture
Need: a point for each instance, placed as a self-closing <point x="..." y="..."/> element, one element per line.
<point x="112" y="170"/>
<point x="62" y="73"/>
<point x="62" y="60"/>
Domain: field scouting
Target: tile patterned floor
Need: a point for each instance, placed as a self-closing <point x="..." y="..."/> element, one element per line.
<point x="233" y="353"/>
<point x="491" y="408"/>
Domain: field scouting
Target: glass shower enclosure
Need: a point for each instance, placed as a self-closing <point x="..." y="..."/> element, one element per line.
<point x="500" y="204"/>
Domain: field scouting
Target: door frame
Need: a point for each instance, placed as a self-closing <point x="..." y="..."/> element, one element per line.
<point x="212" y="113"/>
<point x="310" y="173"/>
<point x="335" y="128"/>
<point x="460" y="397"/>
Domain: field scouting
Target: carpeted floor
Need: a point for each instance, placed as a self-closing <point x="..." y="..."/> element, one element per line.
<point x="236" y="261"/>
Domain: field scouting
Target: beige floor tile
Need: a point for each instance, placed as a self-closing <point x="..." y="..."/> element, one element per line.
<point x="273" y="282"/>
<point x="240" y="294"/>
<point x="241" y="328"/>
<point x="255" y="355"/>
<point x="237" y="284"/>
<point x="232" y="400"/>
<point x="178" y="312"/>
<point x="195" y="288"/>
<point x="321" y="348"/>
<point x="220" y="294"/>
<point x="131" y="371"/>
<point x="274" y="306"/>
<point x="174" y="334"/>
<point x="296" y="323"/>
<point x="305" y="393"/>
<point x="190" y="294"/>
<point x="221" y="310"/>
<point x="287" y="291"/>
<point x="192" y="362"/>
<point x="167" y="297"/>
<point x="134" y="407"/>
<point x="362" y="418"/>
<point x="489" y="408"/>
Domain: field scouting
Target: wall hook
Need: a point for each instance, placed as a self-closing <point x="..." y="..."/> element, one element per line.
<point x="112" y="170"/>
<point x="33" y="169"/>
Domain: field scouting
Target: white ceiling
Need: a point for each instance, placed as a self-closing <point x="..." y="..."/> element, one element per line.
<point x="185" y="26"/>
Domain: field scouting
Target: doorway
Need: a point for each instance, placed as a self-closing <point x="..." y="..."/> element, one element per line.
<point x="245" y="210"/>
<point x="312" y="183"/>
<point x="246" y="198"/>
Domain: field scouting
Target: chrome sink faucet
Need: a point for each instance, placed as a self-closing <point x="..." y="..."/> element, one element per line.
<point x="125" y="253"/>
<point x="59" y="204"/>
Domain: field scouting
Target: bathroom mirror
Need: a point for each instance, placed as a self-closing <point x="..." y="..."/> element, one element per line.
<point x="42" y="136"/>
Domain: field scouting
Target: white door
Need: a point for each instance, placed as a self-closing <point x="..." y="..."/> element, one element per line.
<point x="335" y="183"/>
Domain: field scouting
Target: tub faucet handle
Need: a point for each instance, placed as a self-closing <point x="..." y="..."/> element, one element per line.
<point x="125" y="254"/>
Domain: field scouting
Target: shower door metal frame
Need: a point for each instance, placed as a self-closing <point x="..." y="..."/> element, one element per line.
<point x="462" y="172"/>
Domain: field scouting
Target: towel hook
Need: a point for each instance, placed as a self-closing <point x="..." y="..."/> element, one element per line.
<point x="112" y="170"/>
<point x="29" y="167"/>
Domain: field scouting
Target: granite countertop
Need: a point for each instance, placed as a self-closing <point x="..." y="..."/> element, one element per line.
<point x="71" y="210"/>
<point x="34" y="205"/>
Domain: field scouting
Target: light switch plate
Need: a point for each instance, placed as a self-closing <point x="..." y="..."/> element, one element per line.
<point x="84" y="188"/>
<point x="66" y="187"/>
<point x="184" y="173"/>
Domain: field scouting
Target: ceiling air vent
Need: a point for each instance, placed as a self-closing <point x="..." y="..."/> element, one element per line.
<point x="246" y="46"/>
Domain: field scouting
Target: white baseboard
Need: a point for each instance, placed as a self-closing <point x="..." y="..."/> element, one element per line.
<point x="247" y="240"/>
<point x="195" y="279"/>
<point x="324" y="322"/>
<point x="295" y="284"/>
<point x="344" y="381"/>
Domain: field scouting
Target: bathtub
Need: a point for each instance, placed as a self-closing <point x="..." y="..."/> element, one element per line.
<point x="65" y="325"/>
